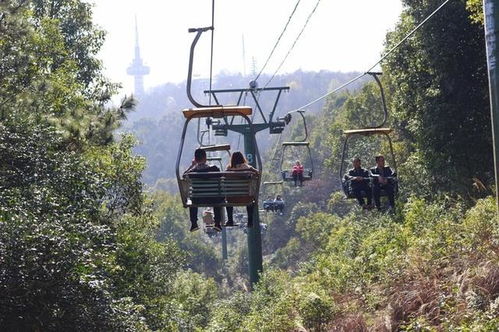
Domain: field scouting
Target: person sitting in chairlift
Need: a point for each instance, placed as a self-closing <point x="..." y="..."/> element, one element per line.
<point x="199" y="165"/>
<point x="279" y="205"/>
<point x="239" y="163"/>
<point x="268" y="204"/>
<point x="297" y="173"/>
<point x="359" y="182"/>
<point x="383" y="180"/>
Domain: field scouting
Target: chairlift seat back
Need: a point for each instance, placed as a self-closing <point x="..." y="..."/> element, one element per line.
<point x="230" y="188"/>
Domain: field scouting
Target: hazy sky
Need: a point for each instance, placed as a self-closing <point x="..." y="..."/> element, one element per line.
<point x="342" y="35"/>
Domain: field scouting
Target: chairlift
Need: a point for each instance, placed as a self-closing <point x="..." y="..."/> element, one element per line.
<point x="287" y="174"/>
<point x="269" y="203"/>
<point x="218" y="189"/>
<point x="347" y="189"/>
<point x="377" y="130"/>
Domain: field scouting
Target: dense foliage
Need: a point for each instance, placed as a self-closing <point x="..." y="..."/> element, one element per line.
<point x="439" y="93"/>
<point x="79" y="242"/>
<point x="84" y="247"/>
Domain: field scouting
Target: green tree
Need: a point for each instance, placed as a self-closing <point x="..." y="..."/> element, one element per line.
<point x="49" y="70"/>
<point x="56" y="243"/>
<point x="78" y="247"/>
<point x="438" y="91"/>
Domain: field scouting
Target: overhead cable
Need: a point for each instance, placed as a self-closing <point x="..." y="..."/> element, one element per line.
<point x="278" y="40"/>
<point x="294" y="43"/>
<point x="377" y="62"/>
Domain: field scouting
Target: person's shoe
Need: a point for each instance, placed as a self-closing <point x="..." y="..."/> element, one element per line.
<point x="194" y="227"/>
<point x="230" y="224"/>
<point x="217" y="227"/>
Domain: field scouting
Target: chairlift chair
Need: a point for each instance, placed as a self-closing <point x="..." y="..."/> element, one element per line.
<point x="217" y="189"/>
<point x="347" y="189"/>
<point x="286" y="174"/>
<point x="269" y="205"/>
<point x="377" y="130"/>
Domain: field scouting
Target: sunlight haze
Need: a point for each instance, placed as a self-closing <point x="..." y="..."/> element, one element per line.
<point x="341" y="36"/>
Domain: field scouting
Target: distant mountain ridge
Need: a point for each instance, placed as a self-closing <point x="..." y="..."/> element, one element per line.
<point x="304" y="87"/>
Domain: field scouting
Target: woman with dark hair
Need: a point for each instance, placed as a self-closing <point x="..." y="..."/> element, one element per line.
<point x="239" y="163"/>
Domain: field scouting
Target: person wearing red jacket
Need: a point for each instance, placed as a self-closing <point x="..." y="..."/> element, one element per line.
<point x="298" y="173"/>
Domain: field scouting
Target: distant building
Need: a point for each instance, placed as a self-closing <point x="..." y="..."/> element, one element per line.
<point x="137" y="69"/>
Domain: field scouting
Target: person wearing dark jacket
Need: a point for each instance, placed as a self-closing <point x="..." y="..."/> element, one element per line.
<point x="359" y="182"/>
<point x="199" y="165"/>
<point x="382" y="179"/>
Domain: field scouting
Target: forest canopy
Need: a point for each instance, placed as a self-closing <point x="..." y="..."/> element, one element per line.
<point x="85" y="246"/>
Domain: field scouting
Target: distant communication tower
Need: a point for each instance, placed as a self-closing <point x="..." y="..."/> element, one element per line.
<point x="137" y="69"/>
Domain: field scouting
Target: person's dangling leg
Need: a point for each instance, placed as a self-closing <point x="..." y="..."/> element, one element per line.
<point x="230" y="216"/>
<point x="217" y="211"/>
<point x="193" y="216"/>
<point x="357" y="191"/>
<point x="391" y="196"/>
<point x="376" y="194"/>
<point x="250" y="210"/>
<point x="369" y="194"/>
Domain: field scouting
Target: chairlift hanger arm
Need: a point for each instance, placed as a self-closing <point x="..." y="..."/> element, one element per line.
<point x="198" y="31"/>
<point x="383" y="100"/>
<point x="201" y="133"/>
<point x="287" y="118"/>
